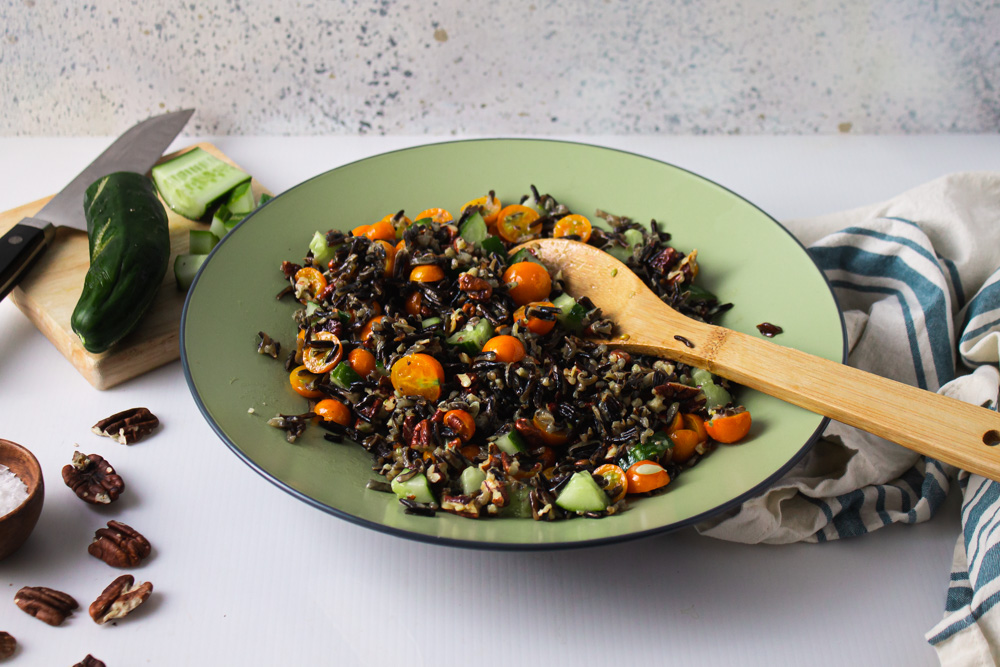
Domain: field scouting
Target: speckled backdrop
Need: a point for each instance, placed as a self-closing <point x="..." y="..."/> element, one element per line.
<point x="534" y="67"/>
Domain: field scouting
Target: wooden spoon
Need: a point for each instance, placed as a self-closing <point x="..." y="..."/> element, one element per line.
<point x="943" y="428"/>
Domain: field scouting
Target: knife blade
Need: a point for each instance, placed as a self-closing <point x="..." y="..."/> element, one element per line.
<point x="137" y="150"/>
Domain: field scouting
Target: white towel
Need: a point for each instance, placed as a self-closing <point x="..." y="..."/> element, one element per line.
<point x="918" y="279"/>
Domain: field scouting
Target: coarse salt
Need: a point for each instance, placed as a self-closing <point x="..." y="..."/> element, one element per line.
<point x="13" y="491"/>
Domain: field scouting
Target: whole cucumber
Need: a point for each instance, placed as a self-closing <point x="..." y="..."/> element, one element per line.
<point x="129" y="252"/>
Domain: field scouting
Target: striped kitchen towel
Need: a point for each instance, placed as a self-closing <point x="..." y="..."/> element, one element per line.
<point x="918" y="279"/>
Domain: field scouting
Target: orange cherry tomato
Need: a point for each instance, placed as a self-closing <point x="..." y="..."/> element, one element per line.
<point x="517" y="224"/>
<point x="527" y="282"/>
<point x="381" y="231"/>
<point x="332" y="410"/>
<point x="696" y="424"/>
<point x="534" y="324"/>
<point x="361" y="361"/>
<point x="573" y="225"/>
<point x="552" y="436"/>
<point x="399" y="221"/>
<point x="300" y="377"/>
<point x="729" y="428"/>
<point x="436" y="215"/>
<point x="685" y="440"/>
<point x="321" y="360"/>
<point x="309" y="281"/>
<point x="418" y="375"/>
<point x="646" y="476"/>
<point x="488" y="205"/>
<point x="400" y="245"/>
<point x="470" y="451"/>
<point x="360" y="230"/>
<point x="390" y="256"/>
<point x="426" y="273"/>
<point x="461" y="422"/>
<point x="508" y="348"/>
<point x="300" y="342"/>
<point x="413" y="303"/>
<point x="366" y="331"/>
<point x="615" y="477"/>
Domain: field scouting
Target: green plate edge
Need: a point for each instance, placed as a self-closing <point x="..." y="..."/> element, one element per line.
<point x="223" y="395"/>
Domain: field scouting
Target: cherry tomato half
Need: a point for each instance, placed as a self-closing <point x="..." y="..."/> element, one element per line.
<point x="489" y="205"/>
<point x="646" y="476"/>
<point x="418" y="375"/>
<point x="321" y="360"/>
<point x="332" y="410"/>
<point x="572" y="225"/>
<point x="507" y="348"/>
<point x="527" y="282"/>
<point x="439" y="215"/>
<point x="361" y="361"/>
<point x="517" y="224"/>
<point x="300" y="377"/>
<point x="426" y="273"/>
<point x="309" y="281"/>
<point x="534" y="324"/>
<point x="615" y="477"/>
<point x="729" y="428"/>
<point x="461" y="422"/>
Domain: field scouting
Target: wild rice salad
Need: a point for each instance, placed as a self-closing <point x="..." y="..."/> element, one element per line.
<point x="469" y="377"/>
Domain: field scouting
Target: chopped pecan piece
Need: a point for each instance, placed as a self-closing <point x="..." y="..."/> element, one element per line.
<point x="7" y="645"/>
<point x="90" y="661"/>
<point x="93" y="479"/>
<point x="127" y="426"/>
<point x="268" y="345"/>
<point x="119" y="599"/>
<point x="119" y="545"/>
<point x="477" y="288"/>
<point x="45" y="604"/>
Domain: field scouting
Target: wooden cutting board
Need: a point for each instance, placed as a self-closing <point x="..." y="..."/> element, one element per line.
<point x="48" y="295"/>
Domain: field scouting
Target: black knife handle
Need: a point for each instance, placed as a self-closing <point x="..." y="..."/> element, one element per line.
<point x="19" y="248"/>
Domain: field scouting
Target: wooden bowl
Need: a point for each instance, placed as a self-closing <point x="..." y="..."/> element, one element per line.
<point x="16" y="526"/>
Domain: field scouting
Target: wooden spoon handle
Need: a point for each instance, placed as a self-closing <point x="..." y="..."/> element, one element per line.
<point x="944" y="428"/>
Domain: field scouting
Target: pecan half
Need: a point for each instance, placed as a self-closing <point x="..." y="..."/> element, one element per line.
<point x="45" y="604"/>
<point x="119" y="599"/>
<point x="119" y="545"/>
<point x="423" y="437"/>
<point x="127" y="426"/>
<point x="90" y="661"/>
<point x="93" y="479"/>
<point x="477" y="288"/>
<point x="7" y="645"/>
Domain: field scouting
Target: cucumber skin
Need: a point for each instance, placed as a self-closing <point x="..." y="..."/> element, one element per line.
<point x="129" y="251"/>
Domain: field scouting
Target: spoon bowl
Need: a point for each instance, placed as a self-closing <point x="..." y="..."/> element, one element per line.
<point x="892" y="410"/>
<point x="16" y="525"/>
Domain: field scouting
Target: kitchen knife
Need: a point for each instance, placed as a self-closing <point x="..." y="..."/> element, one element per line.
<point x="136" y="150"/>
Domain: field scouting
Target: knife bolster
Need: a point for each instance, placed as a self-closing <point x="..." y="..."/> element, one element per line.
<point x="19" y="248"/>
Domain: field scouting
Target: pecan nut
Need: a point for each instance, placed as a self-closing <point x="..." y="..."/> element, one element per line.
<point x="422" y="438"/>
<point x="119" y="599"/>
<point x="46" y="604"/>
<point x="127" y="426"/>
<point x="119" y="545"/>
<point x="477" y="288"/>
<point x="90" y="661"/>
<point x="7" y="645"/>
<point x="93" y="479"/>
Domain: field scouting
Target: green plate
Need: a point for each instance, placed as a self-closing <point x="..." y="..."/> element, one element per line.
<point x="746" y="257"/>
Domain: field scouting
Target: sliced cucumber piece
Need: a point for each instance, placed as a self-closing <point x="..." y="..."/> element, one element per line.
<point x="344" y="376"/>
<point x="264" y="198"/>
<point x="430" y="322"/>
<point x="492" y="245"/>
<point x="519" y="504"/>
<point x="701" y="376"/>
<point x="622" y="254"/>
<point x="511" y="442"/>
<point x="241" y="199"/>
<point x="201" y="241"/>
<point x="322" y="253"/>
<point x="571" y="313"/>
<point x="582" y="494"/>
<point x="416" y="488"/>
<point x="192" y="182"/>
<point x="715" y="395"/>
<point x="471" y="479"/>
<point x="186" y="268"/>
<point x="471" y="338"/>
<point x="474" y="229"/>
<point x="633" y="237"/>
<point x="223" y="221"/>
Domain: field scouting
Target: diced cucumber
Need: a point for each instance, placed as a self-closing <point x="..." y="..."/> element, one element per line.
<point x="264" y="198"/>
<point x="311" y="307"/>
<point x="582" y="494"/>
<point x="511" y="442"/>
<point x="344" y="376"/>
<point x="519" y="504"/>
<point x="416" y="488"/>
<point x="471" y="479"/>
<point x="322" y="253"/>
<point x="471" y="338"/>
<point x="192" y="182"/>
<point x="492" y="245"/>
<point x="430" y="322"/>
<point x="474" y="229"/>
<point x="633" y="237"/>
<point x="622" y="254"/>
<point x="201" y="241"/>
<point x="701" y="376"/>
<point x="186" y="268"/>
<point x="240" y="200"/>
<point x="571" y="313"/>
<point x="715" y="395"/>
<point x="223" y="221"/>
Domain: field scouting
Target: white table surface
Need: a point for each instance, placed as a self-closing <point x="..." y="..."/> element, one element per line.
<point x="245" y="574"/>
